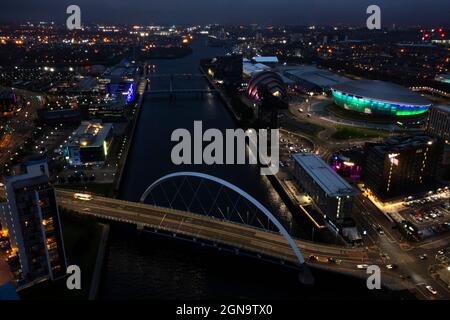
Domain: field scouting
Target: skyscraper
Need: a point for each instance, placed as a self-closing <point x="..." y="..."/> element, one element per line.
<point x="33" y="222"/>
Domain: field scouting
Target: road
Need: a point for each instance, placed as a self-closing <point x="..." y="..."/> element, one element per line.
<point x="224" y="232"/>
<point x="380" y="239"/>
<point x="19" y="127"/>
<point x="392" y="248"/>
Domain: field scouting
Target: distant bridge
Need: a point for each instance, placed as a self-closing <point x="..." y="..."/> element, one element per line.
<point x="172" y="87"/>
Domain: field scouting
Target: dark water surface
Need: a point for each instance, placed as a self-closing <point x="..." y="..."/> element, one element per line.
<point x="144" y="266"/>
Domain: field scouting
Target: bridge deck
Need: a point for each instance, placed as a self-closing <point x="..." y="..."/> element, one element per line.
<point x="207" y="228"/>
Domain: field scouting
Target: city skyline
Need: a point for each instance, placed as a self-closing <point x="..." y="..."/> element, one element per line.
<point x="173" y="151"/>
<point x="322" y="12"/>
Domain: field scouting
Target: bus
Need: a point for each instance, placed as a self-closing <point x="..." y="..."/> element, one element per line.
<point x="82" y="196"/>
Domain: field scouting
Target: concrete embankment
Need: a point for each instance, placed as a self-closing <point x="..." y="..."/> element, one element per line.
<point x="223" y="98"/>
<point x="130" y="136"/>
<point x="96" y="276"/>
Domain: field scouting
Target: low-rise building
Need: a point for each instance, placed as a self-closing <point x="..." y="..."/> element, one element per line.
<point x="89" y="144"/>
<point x="330" y="192"/>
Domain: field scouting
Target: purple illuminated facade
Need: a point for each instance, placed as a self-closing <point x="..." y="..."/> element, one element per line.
<point x="125" y="89"/>
<point x="347" y="167"/>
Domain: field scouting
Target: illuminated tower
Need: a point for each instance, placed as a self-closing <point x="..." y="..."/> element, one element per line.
<point x="34" y="226"/>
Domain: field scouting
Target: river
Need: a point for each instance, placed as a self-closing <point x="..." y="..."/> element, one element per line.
<point x="144" y="266"/>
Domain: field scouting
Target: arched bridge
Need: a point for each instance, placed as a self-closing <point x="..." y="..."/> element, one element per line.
<point x="236" y="189"/>
<point x="218" y="232"/>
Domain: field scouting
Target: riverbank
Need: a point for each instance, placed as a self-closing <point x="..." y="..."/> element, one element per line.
<point x="130" y="134"/>
<point x="96" y="276"/>
<point x="222" y="97"/>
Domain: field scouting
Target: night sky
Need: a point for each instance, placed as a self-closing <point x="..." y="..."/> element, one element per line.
<point x="294" y="12"/>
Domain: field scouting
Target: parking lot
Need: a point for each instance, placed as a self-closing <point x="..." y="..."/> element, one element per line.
<point x="430" y="215"/>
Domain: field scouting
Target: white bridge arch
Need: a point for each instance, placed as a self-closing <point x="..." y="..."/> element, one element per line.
<point x="238" y="190"/>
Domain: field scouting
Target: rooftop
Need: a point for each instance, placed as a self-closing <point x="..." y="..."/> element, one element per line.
<point x="382" y="91"/>
<point x="444" y="108"/>
<point x="268" y="59"/>
<point x="333" y="184"/>
<point x="251" y="69"/>
<point x="91" y="134"/>
<point x="399" y="143"/>
<point x="319" y="77"/>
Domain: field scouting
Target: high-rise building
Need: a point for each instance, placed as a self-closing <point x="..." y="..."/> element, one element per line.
<point x="401" y="165"/>
<point x="331" y="193"/>
<point x="439" y="122"/>
<point x="34" y="226"/>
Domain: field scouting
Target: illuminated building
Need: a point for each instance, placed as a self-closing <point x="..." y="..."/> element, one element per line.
<point x="401" y="166"/>
<point x="33" y="222"/>
<point x="445" y="78"/>
<point x="439" y="125"/>
<point x="89" y="144"/>
<point x="8" y="102"/>
<point x="228" y="69"/>
<point x="379" y="98"/>
<point x="123" y="91"/>
<point x="348" y="164"/>
<point x="269" y="94"/>
<point x="270" y="81"/>
<point x="439" y="122"/>
<point x="330" y="193"/>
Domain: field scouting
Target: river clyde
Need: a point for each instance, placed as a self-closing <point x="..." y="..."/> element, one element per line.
<point x="144" y="266"/>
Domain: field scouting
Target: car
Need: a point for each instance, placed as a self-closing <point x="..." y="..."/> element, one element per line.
<point x="313" y="258"/>
<point x="431" y="290"/>
<point x="391" y="266"/>
<point x="334" y="261"/>
<point x="362" y="266"/>
<point x="423" y="256"/>
<point x="331" y="260"/>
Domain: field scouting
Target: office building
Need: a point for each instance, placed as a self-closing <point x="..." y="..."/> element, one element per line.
<point x="89" y="144"/>
<point x="401" y="166"/>
<point x="34" y="227"/>
<point x="439" y="122"/>
<point x="330" y="192"/>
